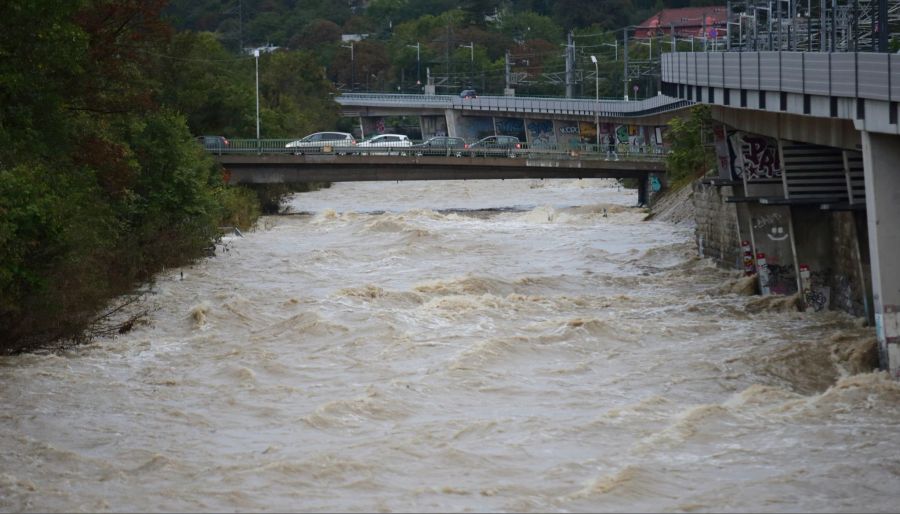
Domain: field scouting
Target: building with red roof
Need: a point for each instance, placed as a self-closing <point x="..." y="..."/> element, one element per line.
<point x="686" y="22"/>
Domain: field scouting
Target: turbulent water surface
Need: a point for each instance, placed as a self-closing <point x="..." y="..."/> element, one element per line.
<point x="454" y="346"/>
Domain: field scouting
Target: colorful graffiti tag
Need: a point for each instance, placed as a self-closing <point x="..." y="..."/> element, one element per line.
<point x="540" y="133"/>
<point x="567" y="134"/>
<point x="753" y="157"/>
<point x="511" y="127"/>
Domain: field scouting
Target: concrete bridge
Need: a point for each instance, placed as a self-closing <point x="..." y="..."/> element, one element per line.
<point x="561" y="122"/>
<point x="808" y="145"/>
<point x="267" y="168"/>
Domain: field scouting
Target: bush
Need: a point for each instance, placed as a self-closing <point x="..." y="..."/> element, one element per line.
<point x="689" y="158"/>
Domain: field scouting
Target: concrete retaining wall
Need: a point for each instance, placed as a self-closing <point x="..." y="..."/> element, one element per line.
<point x="716" y="232"/>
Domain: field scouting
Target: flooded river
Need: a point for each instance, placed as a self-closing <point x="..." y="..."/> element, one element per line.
<point x="456" y="346"/>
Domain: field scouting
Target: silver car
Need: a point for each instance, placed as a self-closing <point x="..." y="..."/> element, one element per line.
<point x="385" y="144"/>
<point x="319" y="142"/>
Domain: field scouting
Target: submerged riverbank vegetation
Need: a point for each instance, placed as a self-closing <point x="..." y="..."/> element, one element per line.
<point x="102" y="183"/>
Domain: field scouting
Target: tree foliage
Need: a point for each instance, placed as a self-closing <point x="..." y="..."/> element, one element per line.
<point x="689" y="157"/>
<point x="101" y="184"/>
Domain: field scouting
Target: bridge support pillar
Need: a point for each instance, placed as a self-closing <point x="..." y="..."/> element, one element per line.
<point x="644" y="191"/>
<point x="881" y="153"/>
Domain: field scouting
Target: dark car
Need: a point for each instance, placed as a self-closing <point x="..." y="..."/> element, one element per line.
<point x="468" y="93"/>
<point x="441" y="145"/>
<point x="509" y="146"/>
<point x="214" y="144"/>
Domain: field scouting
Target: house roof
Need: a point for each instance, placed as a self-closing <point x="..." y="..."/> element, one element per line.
<point x="686" y="17"/>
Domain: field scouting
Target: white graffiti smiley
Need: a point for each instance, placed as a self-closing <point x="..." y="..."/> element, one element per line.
<point x="777" y="234"/>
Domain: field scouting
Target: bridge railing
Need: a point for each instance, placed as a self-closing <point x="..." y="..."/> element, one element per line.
<point x="605" y="107"/>
<point x="537" y="151"/>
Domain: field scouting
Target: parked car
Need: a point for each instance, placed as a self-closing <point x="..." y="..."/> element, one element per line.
<point x="384" y="144"/>
<point x="468" y="93"/>
<point x="340" y="142"/>
<point x="495" y="146"/>
<point x="441" y="145"/>
<point x="215" y="144"/>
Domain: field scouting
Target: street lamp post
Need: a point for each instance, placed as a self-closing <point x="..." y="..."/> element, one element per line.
<point x="352" y="66"/>
<point x="596" y="99"/>
<point x="256" y="55"/>
<point x="417" y="46"/>
<point x="625" y="63"/>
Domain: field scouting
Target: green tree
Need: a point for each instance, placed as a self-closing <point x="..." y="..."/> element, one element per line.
<point x="530" y="25"/>
<point x="689" y="157"/>
<point x="296" y="97"/>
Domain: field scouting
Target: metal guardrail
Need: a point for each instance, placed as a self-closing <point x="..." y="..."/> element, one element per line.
<point x="540" y="152"/>
<point x="605" y="107"/>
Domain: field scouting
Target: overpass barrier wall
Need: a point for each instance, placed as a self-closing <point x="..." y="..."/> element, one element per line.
<point x="872" y="76"/>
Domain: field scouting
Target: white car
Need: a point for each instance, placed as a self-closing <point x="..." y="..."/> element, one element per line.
<point x="384" y="144"/>
<point x="339" y="142"/>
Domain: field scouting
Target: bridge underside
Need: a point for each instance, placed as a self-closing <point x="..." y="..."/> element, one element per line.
<point x="267" y="169"/>
<point x="272" y="169"/>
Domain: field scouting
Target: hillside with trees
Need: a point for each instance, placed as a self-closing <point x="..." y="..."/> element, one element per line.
<point x="463" y="43"/>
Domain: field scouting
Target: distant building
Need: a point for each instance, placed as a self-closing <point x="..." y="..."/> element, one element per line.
<point x="686" y="22"/>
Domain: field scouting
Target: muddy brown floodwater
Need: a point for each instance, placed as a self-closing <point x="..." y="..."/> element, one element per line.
<point x="456" y="346"/>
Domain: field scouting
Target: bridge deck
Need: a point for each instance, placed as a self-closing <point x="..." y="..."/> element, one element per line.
<point x="259" y="169"/>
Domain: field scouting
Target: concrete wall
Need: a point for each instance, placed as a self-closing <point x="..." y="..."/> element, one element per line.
<point x="833" y="245"/>
<point x="850" y="281"/>
<point x="716" y="231"/>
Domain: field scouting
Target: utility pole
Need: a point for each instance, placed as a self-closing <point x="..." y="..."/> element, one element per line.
<point x="471" y="47"/>
<point x="417" y="46"/>
<point x="570" y="64"/>
<point x="882" y="26"/>
<point x="674" y="40"/>
<point x="447" y="53"/>
<point x="506" y="68"/>
<point x="728" y="25"/>
<point x="704" y="32"/>
<point x="352" y="66"/>
<point x="625" y="58"/>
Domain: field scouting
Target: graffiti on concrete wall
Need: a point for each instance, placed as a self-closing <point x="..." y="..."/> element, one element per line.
<point x="567" y="134"/>
<point x="753" y="157"/>
<point x="772" y="238"/>
<point x="818" y="293"/>
<point x="511" y="127"/>
<point x="587" y="132"/>
<point x="782" y="279"/>
<point x="540" y="133"/>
